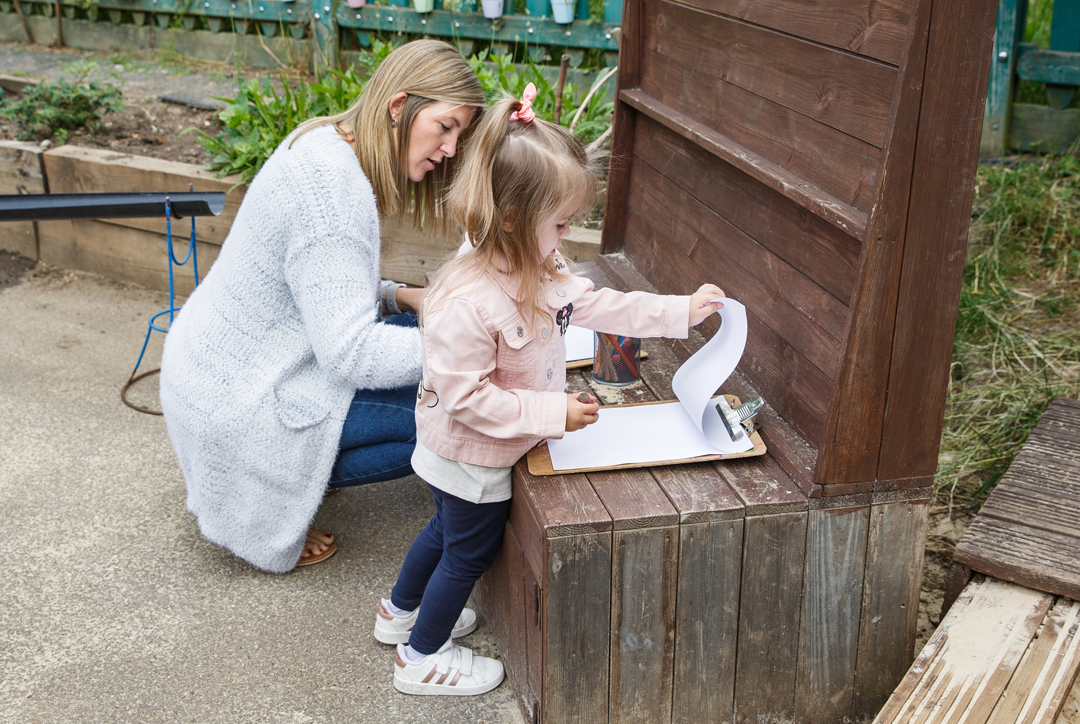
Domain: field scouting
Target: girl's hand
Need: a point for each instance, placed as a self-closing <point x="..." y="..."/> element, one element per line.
<point x="700" y="303"/>
<point x="579" y="414"/>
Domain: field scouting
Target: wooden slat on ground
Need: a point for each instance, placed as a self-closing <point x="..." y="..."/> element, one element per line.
<point x="1028" y="530"/>
<point x="990" y="644"/>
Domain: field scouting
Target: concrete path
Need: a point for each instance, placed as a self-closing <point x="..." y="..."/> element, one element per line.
<point x="113" y="608"/>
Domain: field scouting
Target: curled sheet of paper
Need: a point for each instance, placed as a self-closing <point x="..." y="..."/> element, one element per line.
<point x="671" y="431"/>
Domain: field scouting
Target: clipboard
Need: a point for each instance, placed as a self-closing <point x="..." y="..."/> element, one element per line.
<point x="579" y="363"/>
<point x="539" y="459"/>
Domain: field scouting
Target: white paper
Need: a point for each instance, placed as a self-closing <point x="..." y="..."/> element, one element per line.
<point x="579" y="343"/>
<point x="669" y="431"/>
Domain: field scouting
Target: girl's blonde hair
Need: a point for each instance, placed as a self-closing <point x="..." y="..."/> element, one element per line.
<point x="515" y="177"/>
<point x="428" y="71"/>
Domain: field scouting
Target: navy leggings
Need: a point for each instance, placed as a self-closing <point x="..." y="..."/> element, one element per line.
<point x="455" y="548"/>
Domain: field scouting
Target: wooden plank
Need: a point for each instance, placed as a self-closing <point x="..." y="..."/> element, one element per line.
<point x="699" y="493"/>
<point x="961" y="36"/>
<point x="78" y="170"/>
<point x="553" y="507"/>
<point x="874" y="28"/>
<point x="409" y="254"/>
<point x="1042" y="681"/>
<point x="1032" y="557"/>
<point x="1043" y="65"/>
<point x="707" y="621"/>
<point x="1011" y="22"/>
<point x="848" y="92"/>
<point x="890" y="605"/>
<point x="644" y="555"/>
<point x="965" y="667"/>
<point x="624" y="125"/>
<point x="852" y="442"/>
<point x="829" y="632"/>
<point x="500" y="594"/>
<point x="837" y="212"/>
<point x="120" y="252"/>
<point x="762" y="486"/>
<point x="794" y="386"/>
<point x="800" y="312"/>
<point x="21" y="172"/>
<point x="577" y="612"/>
<point x="818" y="249"/>
<point x="774" y="553"/>
<point x="1042" y="128"/>
<point x="839" y="164"/>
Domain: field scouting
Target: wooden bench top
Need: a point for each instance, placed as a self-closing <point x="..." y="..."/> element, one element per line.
<point x="1028" y="530"/>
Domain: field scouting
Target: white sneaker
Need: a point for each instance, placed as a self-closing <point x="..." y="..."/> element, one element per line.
<point x="451" y="671"/>
<point x="390" y="629"/>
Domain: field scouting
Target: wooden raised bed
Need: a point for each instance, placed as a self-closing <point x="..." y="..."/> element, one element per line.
<point x="815" y="160"/>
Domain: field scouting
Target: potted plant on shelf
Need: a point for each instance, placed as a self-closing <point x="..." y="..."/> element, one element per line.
<point x="492" y="8"/>
<point x="562" y="11"/>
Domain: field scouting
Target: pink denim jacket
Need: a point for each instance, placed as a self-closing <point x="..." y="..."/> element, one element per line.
<point x="493" y="387"/>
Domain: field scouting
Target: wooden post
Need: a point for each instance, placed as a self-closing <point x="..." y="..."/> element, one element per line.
<point x="324" y="28"/>
<point x="25" y="22"/>
<point x="1064" y="35"/>
<point x="1011" y="20"/>
<point x="564" y="63"/>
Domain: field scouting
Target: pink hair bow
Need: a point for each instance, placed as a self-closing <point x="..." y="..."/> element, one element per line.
<point x="525" y="114"/>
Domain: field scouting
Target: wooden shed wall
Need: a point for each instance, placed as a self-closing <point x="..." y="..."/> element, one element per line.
<point x="758" y="146"/>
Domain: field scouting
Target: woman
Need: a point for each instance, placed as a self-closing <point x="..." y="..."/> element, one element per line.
<point x="284" y="373"/>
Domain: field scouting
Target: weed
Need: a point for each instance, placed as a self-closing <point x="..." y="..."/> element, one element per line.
<point x="54" y="109"/>
<point x="1016" y="348"/>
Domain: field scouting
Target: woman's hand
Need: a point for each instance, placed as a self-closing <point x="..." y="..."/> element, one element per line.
<point x="580" y="414"/>
<point x="408" y="299"/>
<point x="701" y="303"/>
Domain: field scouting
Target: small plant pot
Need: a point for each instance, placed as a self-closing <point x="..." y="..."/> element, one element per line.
<point x="424" y="6"/>
<point x="492" y="8"/>
<point x="357" y="4"/>
<point x="562" y="11"/>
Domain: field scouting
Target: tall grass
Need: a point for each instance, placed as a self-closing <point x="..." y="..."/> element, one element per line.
<point x="1017" y="341"/>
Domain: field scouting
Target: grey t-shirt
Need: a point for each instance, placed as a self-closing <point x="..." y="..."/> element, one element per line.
<point x="474" y="483"/>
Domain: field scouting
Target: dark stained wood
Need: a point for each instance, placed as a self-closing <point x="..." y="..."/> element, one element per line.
<point x="818" y="249"/>
<point x="957" y="579"/>
<point x="1028" y="530"/>
<point x="800" y="312"/>
<point x="961" y="33"/>
<point x="624" y="121"/>
<point x="845" y="91"/>
<point x="853" y="440"/>
<point x="762" y="486"/>
<point x="890" y="605"/>
<point x="794" y="386"/>
<point x="837" y="212"/>
<point x="923" y="481"/>
<point x="839" y="164"/>
<point x="577" y="612"/>
<point x="707" y="621"/>
<point x="829" y="632"/>
<point x="774" y="553"/>
<point x="875" y="28"/>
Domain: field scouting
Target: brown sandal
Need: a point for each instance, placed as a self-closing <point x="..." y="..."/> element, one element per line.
<point x="331" y="549"/>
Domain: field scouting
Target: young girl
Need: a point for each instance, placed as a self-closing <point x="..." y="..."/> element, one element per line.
<point x="494" y="376"/>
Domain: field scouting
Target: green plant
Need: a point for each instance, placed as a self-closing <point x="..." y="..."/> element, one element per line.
<point x="1016" y="348"/>
<point x="55" y="108"/>
<point x="259" y="118"/>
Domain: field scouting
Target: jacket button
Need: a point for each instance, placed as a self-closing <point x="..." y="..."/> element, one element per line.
<point x="551" y="373"/>
<point x="561" y="292"/>
<point x="521" y="332"/>
<point x="543" y="332"/>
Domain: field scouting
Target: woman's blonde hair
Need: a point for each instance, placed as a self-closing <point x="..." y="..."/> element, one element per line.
<point x="515" y="177"/>
<point x="428" y="71"/>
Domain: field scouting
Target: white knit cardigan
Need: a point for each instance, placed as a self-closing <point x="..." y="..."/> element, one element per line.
<point x="261" y="364"/>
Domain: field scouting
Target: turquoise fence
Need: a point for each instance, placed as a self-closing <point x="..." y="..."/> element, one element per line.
<point x="1028" y="126"/>
<point x="527" y="29"/>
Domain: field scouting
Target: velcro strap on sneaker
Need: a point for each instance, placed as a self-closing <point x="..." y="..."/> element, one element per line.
<point x="444" y="660"/>
<point x="465" y="666"/>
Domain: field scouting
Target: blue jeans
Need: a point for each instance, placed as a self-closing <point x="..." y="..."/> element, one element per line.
<point x="460" y="542"/>
<point x="379" y="435"/>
